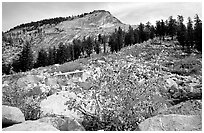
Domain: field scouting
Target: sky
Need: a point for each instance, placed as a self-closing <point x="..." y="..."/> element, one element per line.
<point x="15" y="13"/>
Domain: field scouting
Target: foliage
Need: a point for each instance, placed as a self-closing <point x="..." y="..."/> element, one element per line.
<point x="129" y="37"/>
<point x="126" y="103"/>
<point x="181" y="32"/>
<point x="6" y="68"/>
<point x="42" y="59"/>
<point x="97" y="46"/>
<point x="17" y="97"/>
<point x="189" y="38"/>
<point x="171" y="27"/>
<point x="198" y="33"/>
<point x="187" y="66"/>
<point x="88" y="45"/>
<point x="25" y="60"/>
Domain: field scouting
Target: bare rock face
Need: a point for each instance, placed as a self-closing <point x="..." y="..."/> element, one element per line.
<point x="57" y="104"/>
<point x="63" y="124"/>
<point x="31" y="126"/>
<point x="172" y="122"/>
<point x="29" y="79"/>
<point x="73" y="125"/>
<point x="190" y="107"/>
<point x="11" y="115"/>
<point x="51" y="81"/>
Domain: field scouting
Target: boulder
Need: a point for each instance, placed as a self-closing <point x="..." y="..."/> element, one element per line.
<point x="58" y="103"/>
<point x="31" y="126"/>
<point x="171" y="83"/>
<point x="51" y="81"/>
<point x="85" y="85"/>
<point x="11" y="115"/>
<point x="86" y="75"/>
<point x="73" y="125"/>
<point x="172" y="122"/>
<point x="36" y="91"/>
<point x="190" y="107"/>
<point x="29" y="79"/>
<point x="63" y="124"/>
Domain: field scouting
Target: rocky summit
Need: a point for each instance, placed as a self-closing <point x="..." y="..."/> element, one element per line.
<point x="49" y="35"/>
<point x="146" y="86"/>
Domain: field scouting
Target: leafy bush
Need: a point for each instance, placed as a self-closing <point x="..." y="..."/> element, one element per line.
<point x="187" y="66"/>
<point x="16" y="97"/>
<point x="124" y="102"/>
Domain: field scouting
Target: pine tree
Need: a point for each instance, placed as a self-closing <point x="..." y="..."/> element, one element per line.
<point x="96" y="46"/>
<point x="136" y="36"/>
<point x="141" y="33"/>
<point x="158" y="29"/>
<point x="99" y="38"/>
<point x="152" y="32"/>
<point x="198" y="33"/>
<point x="112" y="42"/>
<point x="189" y="38"/>
<point x="129" y="37"/>
<point x="147" y="30"/>
<point x="131" y="34"/>
<point x="119" y="38"/>
<point x="162" y="33"/>
<point x="104" y="40"/>
<point x="127" y="40"/>
<point x="181" y="33"/>
<point x="42" y="59"/>
<point x="88" y="46"/>
<point x="61" y="54"/>
<point x="51" y="56"/>
<point x="171" y="27"/>
<point x="25" y="61"/>
<point x="77" y="48"/>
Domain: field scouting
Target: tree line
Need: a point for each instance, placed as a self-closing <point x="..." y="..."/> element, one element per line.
<point x="189" y="37"/>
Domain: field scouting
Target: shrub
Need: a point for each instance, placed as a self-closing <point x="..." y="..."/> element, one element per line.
<point x="16" y="97"/>
<point x="124" y="103"/>
<point x="187" y="66"/>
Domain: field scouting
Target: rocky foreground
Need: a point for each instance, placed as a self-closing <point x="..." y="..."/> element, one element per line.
<point x="148" y="87"/>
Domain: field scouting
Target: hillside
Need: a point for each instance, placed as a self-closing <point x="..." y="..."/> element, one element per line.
<point x="141" y="87"/>
<point x="47" y="35"/>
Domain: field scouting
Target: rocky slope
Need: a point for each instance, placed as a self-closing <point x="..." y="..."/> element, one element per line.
<point x="128" y="90"/>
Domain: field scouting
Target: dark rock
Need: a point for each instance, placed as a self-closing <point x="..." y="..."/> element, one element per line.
<point x="31" y="126"/>
<point x="63" y="124"/>
<point x="29" y="79"/>
<point x="172" y="122"/>
<point x="11" y="115"/>
<point x="191" y="107"/>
